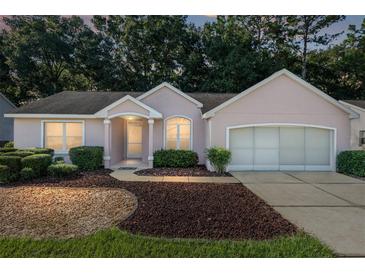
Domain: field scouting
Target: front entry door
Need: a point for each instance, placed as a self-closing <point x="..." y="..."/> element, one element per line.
<point x="134" y="139"/>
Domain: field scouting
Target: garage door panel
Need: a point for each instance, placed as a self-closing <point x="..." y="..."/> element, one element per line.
<point x="281" y="147"/>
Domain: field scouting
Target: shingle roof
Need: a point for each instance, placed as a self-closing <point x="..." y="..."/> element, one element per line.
<point x="358" y="103"/>
<point x="90" y="102"/>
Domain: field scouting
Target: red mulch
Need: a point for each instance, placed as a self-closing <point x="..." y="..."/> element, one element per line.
<point x="200" y="171"/>
<point x="186" y="210"/>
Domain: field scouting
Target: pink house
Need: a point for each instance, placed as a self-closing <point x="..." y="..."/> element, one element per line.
<point x="281" y="123"/>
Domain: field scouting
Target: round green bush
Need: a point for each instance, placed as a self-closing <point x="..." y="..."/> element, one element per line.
<point x="58" y="159"/>
<point x="38" y="162"/>
<point x="27" y="173"/>
<point x="219" y="158"/>
<point x="62" y="170"/>
<point x="20" y="153"/>
<point x="175" y="158"/>
<point x="9" y="145"/>
<point x="351" y="162"/>
<point x="5" y="174"/>
<point x="87" y="157"/>
<point x="13" y="162"/>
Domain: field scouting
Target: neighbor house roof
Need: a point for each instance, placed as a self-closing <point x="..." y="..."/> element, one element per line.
<point x="356" y="103"/>
<point x="90" y="102"/>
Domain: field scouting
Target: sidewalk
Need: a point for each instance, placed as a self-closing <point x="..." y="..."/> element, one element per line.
<point x="129" y="176"/>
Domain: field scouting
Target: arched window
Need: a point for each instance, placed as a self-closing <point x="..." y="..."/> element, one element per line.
<point x="178" y="133"/>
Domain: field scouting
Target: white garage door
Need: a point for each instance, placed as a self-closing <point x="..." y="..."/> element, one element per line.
<point x="281" y="148"/>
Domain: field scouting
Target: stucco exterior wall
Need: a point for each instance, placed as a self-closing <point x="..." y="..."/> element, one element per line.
<point x="357" y="125"/>
<point x="281" y="101"/>
<point x="27" y="132"/>
<point x="117" y="150"/>
<point x="170" y="104"/>
<point x="128" y="106"/>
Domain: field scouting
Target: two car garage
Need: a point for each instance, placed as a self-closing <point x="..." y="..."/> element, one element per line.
<point x="281" y="147"/>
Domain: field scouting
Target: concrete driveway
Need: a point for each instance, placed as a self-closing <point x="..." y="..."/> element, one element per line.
<point x="329" y="205"/>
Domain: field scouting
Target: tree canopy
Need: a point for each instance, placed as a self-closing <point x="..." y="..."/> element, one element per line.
<point x="43" y="55"/>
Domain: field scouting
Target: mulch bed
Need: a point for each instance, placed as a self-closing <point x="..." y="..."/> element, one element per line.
<point x="199" y="171"/>
<point x="190" y="210"/>
<point x="62" y="212"/>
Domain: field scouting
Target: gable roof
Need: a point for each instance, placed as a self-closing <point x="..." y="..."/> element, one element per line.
<point x="153" y="113"/>
<point x="167" y="85"/>
<point x="277" y="74"/>
<point x="357" y="104"/>
<point x="7" y="100"/>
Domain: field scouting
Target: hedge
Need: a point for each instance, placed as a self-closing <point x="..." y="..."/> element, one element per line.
<point x="9" y="144"/>
<point x="87" y="157"/>
<point x="7" y="149"/>
<point x="27" y="173"/>
<point x="5" y="174"/>
<point x="37" y="150"/>
<point x="20" y="153"/>
<point x="14" y="165"/>
<point x="62" y="170"/>
<point x="38" y="162"/>
<point x="219" y="158"/>
<point x="175" y="158"/>
<point x="351" y="162"/>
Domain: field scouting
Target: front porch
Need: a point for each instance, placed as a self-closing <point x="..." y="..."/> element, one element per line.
<point x="129" y="134"/>
<point x="135" y="164"/>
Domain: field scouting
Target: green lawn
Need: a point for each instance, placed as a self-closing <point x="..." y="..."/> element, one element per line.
<point x="116" y="243"/>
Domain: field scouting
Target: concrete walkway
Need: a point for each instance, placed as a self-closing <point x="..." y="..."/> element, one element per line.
<point x="329" y="205"/>
<point x="129" y="176"/>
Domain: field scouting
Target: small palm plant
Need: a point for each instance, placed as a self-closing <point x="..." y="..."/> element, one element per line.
<point x="219" y="158"/>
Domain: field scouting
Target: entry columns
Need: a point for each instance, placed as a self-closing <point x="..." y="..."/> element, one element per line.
<point x="107" y="143"/>
<point x="150" y="142"/>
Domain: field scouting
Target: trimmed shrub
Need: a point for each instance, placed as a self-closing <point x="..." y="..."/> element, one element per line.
<point x="9" y="145"/>
<point x="62" y="170"/>
<point x="59" y="159"/>
<point x="219" y="158"/>
<point x="37" y="150"/>
<point x="87" y="157"/>
<point x="27" y="173"/>
<point x="5" y="174"/>
<point x="175" y="158"/>
<point x="38" y="162"/>
<point x="20" y="153"/>
<point x="7" y="149"/>
<point x="351" y="162"/>
<point x="14" y="165"/>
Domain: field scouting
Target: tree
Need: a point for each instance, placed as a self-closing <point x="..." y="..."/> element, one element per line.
<point x="40" y="52"/>
<point x="308" y="30"/>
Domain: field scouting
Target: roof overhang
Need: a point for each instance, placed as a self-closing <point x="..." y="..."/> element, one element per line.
<point x="351" y="106"/>
<point x="49" y="116"/>
<point x="212" y="112"/>
<point x="171" y="87"/>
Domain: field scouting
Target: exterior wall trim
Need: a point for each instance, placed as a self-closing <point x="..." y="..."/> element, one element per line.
<point x="62" y="121"/>
<point x="191" y="129"/>
<point x="49" y="116"/>
<point x="334" y="130"/>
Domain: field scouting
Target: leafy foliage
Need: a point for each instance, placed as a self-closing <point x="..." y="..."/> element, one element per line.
<point x="62" y="170"/>
<point x="87" y="157"/>
<point x="175" y="158"/>
<point x="20" y="153"/>
<point x="9" y="145"/>
<point x="5" y="174"/>
<point x="38" y="162"/>
<point x="351" y="162"/>
<point x="43" y="55"/>
<point x="219" y="158"/>
<point x="27" y="173"/>
<point x="49" y="151"/>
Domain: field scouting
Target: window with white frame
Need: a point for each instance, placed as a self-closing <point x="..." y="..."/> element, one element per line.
<point x="362" y="137"/>
<point x="178" y="133"/>
<point x="61" y="136"/>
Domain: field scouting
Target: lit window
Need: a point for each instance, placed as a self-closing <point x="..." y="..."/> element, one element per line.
<point x="178" y="133"/>
<point x="362" y="137"/>
<point x="62" y="136"/>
